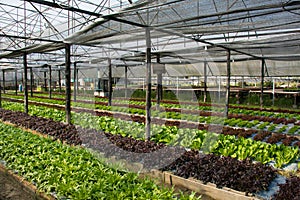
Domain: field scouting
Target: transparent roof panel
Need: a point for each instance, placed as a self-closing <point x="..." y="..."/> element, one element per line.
<point x="184" y="33"/>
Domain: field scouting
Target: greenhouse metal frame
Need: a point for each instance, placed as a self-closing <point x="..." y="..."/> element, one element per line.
<point x="189" y="38"/>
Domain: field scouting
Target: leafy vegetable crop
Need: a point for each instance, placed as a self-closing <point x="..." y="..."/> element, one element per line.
<point x="57" y="130"/>
<point x="263" y="152"/>
<point x="289" y="190"/>
<point x="223" y="171"/>
<point x="70" y="172"/>
<point x="238" y="117"/>
<point x="191" y="138"/>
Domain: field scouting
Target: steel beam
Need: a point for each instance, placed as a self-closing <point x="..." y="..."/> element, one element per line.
<point x="262" y="83"/>
<point x="68" y="83"/>
<point x="31" y="82"/>
<point x="148" y="84"/>
<point x="205" y="82"/>
<point x="227" y="84"/>
<point x="109" y="82"/>
<point x="25" y="83"/>
<point x="50" y="82"/>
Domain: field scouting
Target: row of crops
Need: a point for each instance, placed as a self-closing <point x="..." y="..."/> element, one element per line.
<point x="243" y="118"/>
<point x="260" y="132"/>
<point x="245" y="173"/>
<point x="191" y="138"/>
<point x="71" y="172"/>
<point x="227" y="145"/>
<point x="173" y="142"/>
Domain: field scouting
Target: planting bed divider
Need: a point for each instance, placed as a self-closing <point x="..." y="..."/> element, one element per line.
<point x="19" y="189"/>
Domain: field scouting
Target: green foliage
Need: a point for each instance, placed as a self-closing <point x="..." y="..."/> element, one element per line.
<point x="282" y="129"/>
<point x="233" y="122"/>
<point x="293" y="130"/>
<point x="253" y="99"/>
<point x="272" y="127"/>
<point x="284" y="102"/>
<point x="281" y="102"/>
<point x="141" y="94"/>
<point x="263" y="125"/>
<point x="252" y="124"/>
<point x="169" y="95"/>
<point x="71" y="172"/>
<point x="243" y="148"/>
<point x="171" y="135"/>
<point x="268" y="84"/>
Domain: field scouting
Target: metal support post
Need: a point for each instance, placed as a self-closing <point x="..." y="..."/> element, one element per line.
<point x="227" y="84"/>
<point x="205" y="82"/>
<point x="219" y="89"/>
<point x="16" y="81"/>
<point x="50" y="82"/>
<point x="148" y="84"/>
<point x="273" y="92"/>
<point x="159" y="89"/>
<point x="109" y="82"/>
<point x="262" y="83"/>
<point x="31" y="82"/>
<point x="3" y="80"/>
<point x="177" y="86"/>
<point x="75" y="81"/>
<point x="59" y="80"/>
<point x="45" y="81"/>
<point x="126" y="81"/>
<point x="25" y="84"/>
<point x="243" y="85"/>
<point x="68" y="83"/>
<point x="0" y="96"/>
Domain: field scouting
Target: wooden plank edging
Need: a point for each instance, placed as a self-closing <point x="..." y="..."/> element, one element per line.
<point x="208" y="189"/>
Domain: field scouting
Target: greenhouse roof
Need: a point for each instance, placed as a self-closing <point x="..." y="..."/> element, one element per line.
<point x="184" y="34"/>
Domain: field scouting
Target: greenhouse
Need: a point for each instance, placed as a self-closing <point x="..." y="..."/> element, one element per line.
<point x="150" y="99"/>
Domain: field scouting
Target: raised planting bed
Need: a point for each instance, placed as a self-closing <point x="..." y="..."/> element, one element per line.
<point x="173" y="102"/>
<point x="159" y="121"/>
<point x="172" y="135"/>
<point x="193" y="116"/>
<point x="277" y="118"/>
<point x="124" y="148"/>
<point x="223" y="171"/>
<point x="68" y="172"/>
<point x="227" y="178"/>
<point x="63" y="132"/>
<point x="207" y="189"/>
